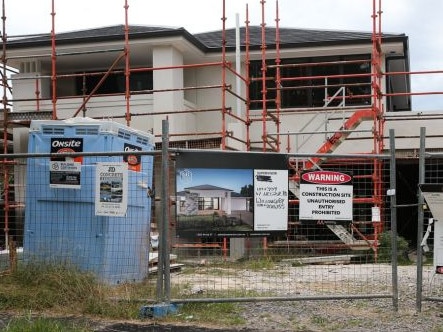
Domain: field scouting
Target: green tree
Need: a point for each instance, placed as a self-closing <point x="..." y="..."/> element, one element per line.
<point x="248" y="191"/>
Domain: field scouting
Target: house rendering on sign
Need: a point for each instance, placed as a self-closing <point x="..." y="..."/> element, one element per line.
<point x="206" y="199"/>
<point x="210" y="199"/>
<point x="216" y="206"/>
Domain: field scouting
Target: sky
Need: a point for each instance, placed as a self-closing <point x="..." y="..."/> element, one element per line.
<point x="420" y="20"/>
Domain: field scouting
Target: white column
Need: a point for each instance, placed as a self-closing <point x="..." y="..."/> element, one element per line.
<point x="169" y="101"/>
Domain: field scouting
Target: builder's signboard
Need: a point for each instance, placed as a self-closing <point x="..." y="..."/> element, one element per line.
<point x="231" y="194"/>
<point x="64" y="174"/>
<point x="326" y="195"/>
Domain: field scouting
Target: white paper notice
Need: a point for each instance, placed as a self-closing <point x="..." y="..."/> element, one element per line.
<point x="270" y="200"/>
<point x="111" y="188"/>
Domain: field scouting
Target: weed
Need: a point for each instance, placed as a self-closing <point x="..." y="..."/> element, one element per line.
<point x="385" y="249"/>
<point x="223" y="313"/>
<point x="319" y="320"/>
<point x="258" y="264"/>
<point x="42" y="324"/>
<point x="40" y="286"/>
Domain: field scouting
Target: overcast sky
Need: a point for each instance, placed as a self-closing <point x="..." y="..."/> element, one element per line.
<point x="420" y="20"/>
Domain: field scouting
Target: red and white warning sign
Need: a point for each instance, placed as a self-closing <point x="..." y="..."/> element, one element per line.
<point x="325" y="195"/>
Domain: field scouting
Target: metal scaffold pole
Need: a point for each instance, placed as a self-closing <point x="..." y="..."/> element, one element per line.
<point x="223" y="91"/>
<point x="53" y="64"/>
<point x="377" y="109"/>
<point x="278" y="77"/>
<point x="263" y="77"/>
<point x="5" y="128"/>
<point x="127" y="68"/>
<point x="248" y="81"/>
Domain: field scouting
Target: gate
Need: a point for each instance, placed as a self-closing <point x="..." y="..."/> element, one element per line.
<point x="429" y="229"/>
<point x="214" y="252"/>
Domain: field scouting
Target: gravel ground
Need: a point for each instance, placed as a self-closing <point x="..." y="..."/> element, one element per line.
<point x="315" y="315"/>
<point x="341" y="315"/>
<point x="344" y="315"/>
<point x="351" y="315"/>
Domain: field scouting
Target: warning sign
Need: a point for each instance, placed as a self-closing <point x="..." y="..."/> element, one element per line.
<point x="326" y="195"/>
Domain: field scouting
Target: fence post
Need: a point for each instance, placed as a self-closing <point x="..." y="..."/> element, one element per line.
<point x="163" y="272"/>
<point x="393" y="188"/>
<point x="165" y="209"/>
<point x="421" y="179"/>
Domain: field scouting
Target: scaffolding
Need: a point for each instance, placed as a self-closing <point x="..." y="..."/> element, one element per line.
<point x="270" y="118"/>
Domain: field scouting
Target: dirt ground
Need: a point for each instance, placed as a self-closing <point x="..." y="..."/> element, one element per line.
<point x="364" y="315"/>
<point x="125" y="327"/>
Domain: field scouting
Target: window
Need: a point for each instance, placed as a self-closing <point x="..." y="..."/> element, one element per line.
<point x="114" y="83"/>
<point x="208" y="203"/>
<point x="310" y="82"/>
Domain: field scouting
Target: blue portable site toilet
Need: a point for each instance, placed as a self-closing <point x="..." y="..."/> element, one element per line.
<point x="61" y="220"/>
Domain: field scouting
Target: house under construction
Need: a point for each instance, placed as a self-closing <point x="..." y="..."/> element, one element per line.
<point x="244" y="88"/>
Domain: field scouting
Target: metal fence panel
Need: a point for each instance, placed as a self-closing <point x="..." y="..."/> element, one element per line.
<point x="429" y="240"/>
<point x="318" y="259"/>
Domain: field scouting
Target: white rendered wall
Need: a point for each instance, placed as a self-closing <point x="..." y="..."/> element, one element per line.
<point x="170" y="101"/>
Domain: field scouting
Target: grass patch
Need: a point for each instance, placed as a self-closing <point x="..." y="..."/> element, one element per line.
<point x="256" y="264"/>
<point x="40" y="286"/>
<point x="62" y="291"/>
<point x="319" y="320"/>
<point x="385" y="249"/>
<point x="227" y="314"/>
<point x="42" y="324"/>
<point x="65" y="290"/>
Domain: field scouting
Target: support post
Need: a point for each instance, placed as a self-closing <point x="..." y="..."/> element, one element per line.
<point x="421" y="179"/>
<point x="394" y="251"/>
<point x="163" y="276"/>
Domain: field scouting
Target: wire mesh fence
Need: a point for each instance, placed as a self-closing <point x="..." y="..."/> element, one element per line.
<point x="96" y="214"/>
<point x="430" y="229"/>
<point x="66" y="205"/>
<point x="93" y="214"/>
<point x="315" y="257"/>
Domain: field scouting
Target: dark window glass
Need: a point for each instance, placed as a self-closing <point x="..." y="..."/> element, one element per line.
<point x="114" y="83"/>
<point x="313" y="82"/>
<point x="208" y="203"/>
